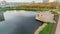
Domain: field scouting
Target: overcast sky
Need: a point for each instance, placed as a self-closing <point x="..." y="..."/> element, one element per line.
<point x="25" y="0"/>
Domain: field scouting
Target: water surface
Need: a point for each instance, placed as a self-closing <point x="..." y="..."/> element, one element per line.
<point x="19" y="22"/>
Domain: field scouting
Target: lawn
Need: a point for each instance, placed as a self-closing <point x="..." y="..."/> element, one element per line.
<point x="48" y="29"/>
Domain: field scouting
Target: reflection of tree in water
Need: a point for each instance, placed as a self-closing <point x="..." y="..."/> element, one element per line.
<point x="1" y="16"/>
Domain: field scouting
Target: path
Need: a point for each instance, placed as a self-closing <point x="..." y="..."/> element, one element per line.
<point x="58" y="26"/>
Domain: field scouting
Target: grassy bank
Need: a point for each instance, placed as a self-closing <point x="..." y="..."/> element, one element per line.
<point x="28" y="9"/>
<point x="48" y="29"/>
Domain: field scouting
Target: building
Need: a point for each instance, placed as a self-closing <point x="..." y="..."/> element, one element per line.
<point x="58" y="1"/>
<point x="2" y="4"/>
<point x="45" y="1"/>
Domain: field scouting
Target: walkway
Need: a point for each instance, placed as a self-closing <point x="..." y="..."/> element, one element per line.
<point x="58" y="26"/>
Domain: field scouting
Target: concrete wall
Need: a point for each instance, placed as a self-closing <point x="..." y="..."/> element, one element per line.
<point x="45" y="16"/>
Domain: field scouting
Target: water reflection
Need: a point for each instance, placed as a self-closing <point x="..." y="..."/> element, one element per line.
<point x="1" y="16"/>
<point x="19" y="22"/>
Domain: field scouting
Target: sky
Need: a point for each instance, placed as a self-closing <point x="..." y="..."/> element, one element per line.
<point x="26" y="0"/>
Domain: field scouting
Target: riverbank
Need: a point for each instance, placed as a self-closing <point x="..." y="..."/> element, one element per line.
<point x="40" y="28"/>
<point x="47" y="29"/>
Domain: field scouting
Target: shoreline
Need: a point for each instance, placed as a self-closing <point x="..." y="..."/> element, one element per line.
<point x="40" y="28"/>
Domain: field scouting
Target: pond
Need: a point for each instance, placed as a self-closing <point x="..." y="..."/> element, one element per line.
<point x="19" y="22"/>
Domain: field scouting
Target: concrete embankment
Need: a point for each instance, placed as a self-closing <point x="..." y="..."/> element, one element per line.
<point x="47" y="16"/>
<point x="40" y="28"/>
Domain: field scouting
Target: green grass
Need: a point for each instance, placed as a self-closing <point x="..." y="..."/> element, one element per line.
<point x="48" y="29"/>
<point x="58" y="10"/>
<point x="28" y="9"/>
